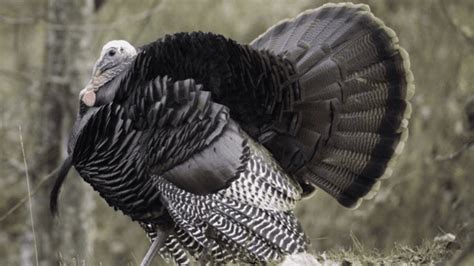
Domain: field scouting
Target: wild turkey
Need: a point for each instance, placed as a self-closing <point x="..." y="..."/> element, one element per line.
<point x="210" y="143"/>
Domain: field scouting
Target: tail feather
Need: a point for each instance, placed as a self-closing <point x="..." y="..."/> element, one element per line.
<point x="353" y="109"/>
<point x="368" y="143"/>
<point x="285" y="36"/>
<point x="357" y="163"/>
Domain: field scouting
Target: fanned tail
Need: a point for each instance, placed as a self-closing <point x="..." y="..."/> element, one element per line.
<point x="353" y="109"/>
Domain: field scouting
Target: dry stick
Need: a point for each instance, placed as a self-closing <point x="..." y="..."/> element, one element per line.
<point x="464" y="33"/>
<point x="25" y="199"/>
<point x="29" y="195"/>
<point x="455" y="154"/>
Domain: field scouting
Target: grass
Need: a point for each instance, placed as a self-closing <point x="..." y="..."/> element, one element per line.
<point x="438" y="251"/>
<point x="29" y="195"/>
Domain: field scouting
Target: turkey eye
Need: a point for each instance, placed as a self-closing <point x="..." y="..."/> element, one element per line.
<point x="111" y="52"/>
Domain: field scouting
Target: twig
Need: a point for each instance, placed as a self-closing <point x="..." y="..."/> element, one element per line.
<point x="25" y="199"/>
<point x="468" y="37"/>
<point x="455" y="154"/>
<point x="29" y="195"/>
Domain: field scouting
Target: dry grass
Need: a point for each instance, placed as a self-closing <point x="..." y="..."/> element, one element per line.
<point x="441" y="250"/>
<point x="29" y="195"/>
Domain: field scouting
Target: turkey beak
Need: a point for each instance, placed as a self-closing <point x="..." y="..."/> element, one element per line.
<point x="105" y="63"/>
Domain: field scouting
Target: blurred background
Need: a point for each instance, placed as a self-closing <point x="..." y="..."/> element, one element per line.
<point x="48" y="48"/>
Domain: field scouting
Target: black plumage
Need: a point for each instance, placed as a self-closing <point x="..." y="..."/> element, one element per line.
<point x="216" y="141"/>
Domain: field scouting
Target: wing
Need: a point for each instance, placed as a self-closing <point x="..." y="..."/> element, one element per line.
<point x="150" y="129"/>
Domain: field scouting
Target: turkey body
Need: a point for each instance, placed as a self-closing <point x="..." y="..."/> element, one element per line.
<point x="215" y="142"/>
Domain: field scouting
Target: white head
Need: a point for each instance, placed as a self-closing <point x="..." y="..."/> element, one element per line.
<point x="113" y="54"/>
<point x="114" y="58"/>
